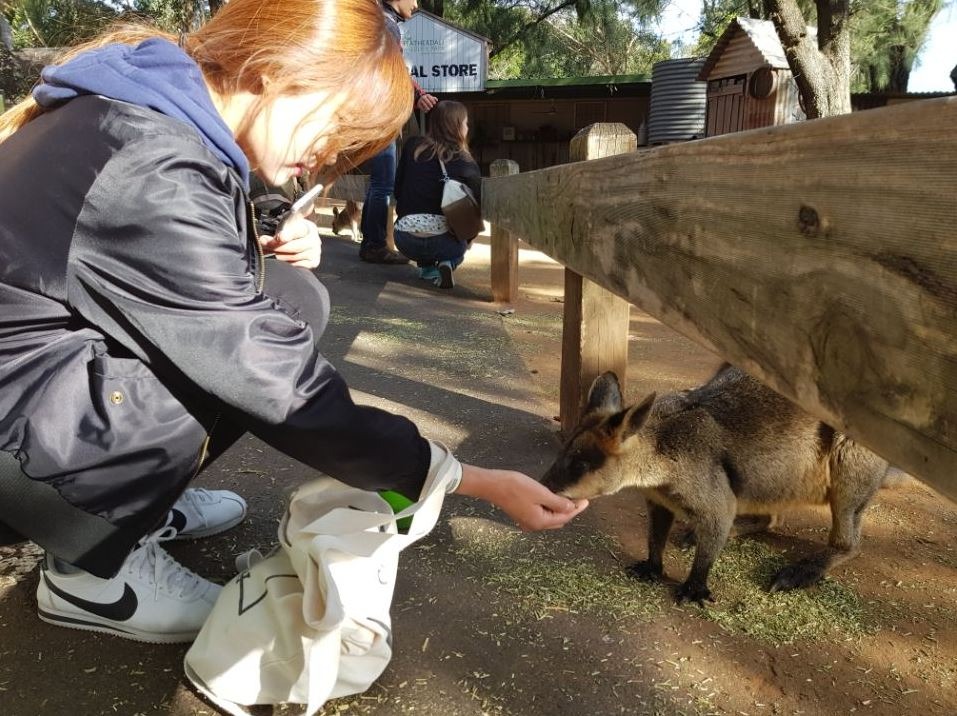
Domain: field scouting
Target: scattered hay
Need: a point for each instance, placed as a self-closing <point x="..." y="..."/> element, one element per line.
<point x="740" y="580"/>
<point x="541" y="576"/>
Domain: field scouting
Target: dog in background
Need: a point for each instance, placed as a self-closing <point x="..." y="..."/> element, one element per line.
<point x="348" y="217"/>
<point x="729" y="447"/>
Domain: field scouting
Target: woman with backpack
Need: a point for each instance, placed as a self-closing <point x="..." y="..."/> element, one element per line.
<point x="421" y="230"/>
<point x="141" y="329"/>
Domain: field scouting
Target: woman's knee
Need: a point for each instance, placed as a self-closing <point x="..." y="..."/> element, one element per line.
<point x="301" y="292"/>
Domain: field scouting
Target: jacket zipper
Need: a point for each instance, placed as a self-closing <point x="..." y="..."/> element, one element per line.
<point x="260" y="284"/>
<point x="261" y="273"/>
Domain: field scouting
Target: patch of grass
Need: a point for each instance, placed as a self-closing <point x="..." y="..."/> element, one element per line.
<point x="739" y="582"/>
<point x="542" y="578"/>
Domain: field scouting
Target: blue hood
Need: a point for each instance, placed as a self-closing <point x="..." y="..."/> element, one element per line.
<point x="155" y="74"/>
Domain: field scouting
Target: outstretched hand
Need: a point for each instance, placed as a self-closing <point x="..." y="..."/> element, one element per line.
<point x="531" y="505"/>
<point x="298" y="243"/>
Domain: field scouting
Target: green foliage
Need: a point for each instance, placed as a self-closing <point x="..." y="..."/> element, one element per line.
<point x="60" y="23"/>
<point x="56" y="23"/>
<point x="886" y="39"/>
<point x="564" y="38"/>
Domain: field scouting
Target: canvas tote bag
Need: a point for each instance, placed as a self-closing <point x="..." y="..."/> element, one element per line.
<point x="310" y="622"/>
<point x="462" y="211"/>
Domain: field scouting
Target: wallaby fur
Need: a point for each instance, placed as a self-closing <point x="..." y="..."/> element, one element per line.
<point x="348" y="217"/>
<point x="729" y="447"/>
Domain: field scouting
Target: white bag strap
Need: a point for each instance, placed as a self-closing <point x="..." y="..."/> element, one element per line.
<point x="445" y="174"/>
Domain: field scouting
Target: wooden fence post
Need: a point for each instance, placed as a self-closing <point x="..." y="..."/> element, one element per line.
<point x="596" y="321"/>
<point x="504" y="247"/>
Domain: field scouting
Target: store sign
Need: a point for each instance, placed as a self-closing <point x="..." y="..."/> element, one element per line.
<point x="442" y="58"/>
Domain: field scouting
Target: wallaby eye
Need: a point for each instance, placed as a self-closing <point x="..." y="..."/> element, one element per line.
<point x="580" y="467"/>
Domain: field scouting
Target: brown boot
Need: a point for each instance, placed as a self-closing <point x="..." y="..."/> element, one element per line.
<point x="382" y="255"/>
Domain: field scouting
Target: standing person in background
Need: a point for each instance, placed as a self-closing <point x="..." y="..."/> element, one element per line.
<point x="421" y="231"/>
<point x="142" y="332"/>
<point x="375" y="208"/>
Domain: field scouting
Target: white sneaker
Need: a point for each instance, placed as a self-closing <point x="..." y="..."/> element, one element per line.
<point x="152" y="598"/>
<point x="202" y="513"/>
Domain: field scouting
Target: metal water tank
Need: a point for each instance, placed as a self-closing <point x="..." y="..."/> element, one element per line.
<point x="678" y="101"/>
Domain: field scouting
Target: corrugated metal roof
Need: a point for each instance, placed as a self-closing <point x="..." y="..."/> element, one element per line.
<point x="762" y="35"/>
<point x="569" y="81"/>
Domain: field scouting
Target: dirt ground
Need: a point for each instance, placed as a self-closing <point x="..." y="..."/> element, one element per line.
<point x="489" y="620"/>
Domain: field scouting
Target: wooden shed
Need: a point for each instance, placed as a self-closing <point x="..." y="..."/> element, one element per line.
<point x="749" y="82"/>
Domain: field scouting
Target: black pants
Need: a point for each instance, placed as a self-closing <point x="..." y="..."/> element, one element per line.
<point x="302" y="295"/>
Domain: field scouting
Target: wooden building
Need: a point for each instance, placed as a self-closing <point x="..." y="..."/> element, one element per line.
<point x="533" y="121"/>
<point x="749" y="82"/>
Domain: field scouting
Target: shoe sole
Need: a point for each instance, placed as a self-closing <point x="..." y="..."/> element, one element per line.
<point x="209" y="532"/>
<point x="71" y="621"/>
<point x="445" y="277"/>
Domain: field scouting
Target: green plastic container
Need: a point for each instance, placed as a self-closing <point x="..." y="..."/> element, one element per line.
<point x="398" y="502"/>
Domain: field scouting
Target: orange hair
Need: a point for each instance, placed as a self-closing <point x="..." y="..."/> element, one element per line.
<point x="337" y="46"/>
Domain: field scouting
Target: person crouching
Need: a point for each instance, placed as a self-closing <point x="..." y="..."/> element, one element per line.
<point x="421" y="230"/>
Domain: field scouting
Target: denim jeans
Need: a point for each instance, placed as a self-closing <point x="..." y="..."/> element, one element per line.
<point x="375" y="209"/>
<point x="429" y="250"/>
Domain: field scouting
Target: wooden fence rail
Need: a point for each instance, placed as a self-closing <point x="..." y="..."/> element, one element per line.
<point x="821" y="257"/>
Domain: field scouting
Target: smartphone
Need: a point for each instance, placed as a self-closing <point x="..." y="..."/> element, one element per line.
<point x="302" y="206"/>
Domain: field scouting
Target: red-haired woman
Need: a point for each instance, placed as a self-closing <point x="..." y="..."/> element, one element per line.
<point x="141" y="330"/>
<point x="421" y="231"/>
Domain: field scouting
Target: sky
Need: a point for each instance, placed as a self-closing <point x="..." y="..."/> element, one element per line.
<point x="930" y="74"/>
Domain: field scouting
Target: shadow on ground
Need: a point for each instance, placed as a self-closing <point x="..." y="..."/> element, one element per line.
<point x="491" y="621"/>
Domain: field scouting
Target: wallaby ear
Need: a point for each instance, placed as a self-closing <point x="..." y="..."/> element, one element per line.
<point x="604" y="396"/>
<point x="637" y="416"/>
<point x="335" y="212"/>
<point x="625" y="423"/>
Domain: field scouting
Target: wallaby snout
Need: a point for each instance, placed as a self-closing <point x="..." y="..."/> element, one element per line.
<point x="588" y="466"/>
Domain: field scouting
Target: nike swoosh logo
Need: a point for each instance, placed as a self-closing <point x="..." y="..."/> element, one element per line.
<point x="177" y="520"/>
<point x="118" y="611"/>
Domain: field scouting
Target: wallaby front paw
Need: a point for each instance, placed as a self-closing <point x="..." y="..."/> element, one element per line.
<point x="645" y="571"/>
<point x="688" y="592"/>
<point x="797" y="576"/>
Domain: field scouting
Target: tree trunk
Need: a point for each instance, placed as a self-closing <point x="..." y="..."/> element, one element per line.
<point x="900" y="68"/>
<point x="822" y="70"/>
<point x="6" y="34"/>
<point x="436" y="7"/>
<point x="11" y="76"/>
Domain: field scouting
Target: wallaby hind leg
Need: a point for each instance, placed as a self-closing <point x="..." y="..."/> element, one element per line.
<point x="660" y="520"/>
<point x="857" y="475"/>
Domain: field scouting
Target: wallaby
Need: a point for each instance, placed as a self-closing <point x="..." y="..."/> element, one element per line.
<point x="731" y="446"/>
<point x="348" y="217"/>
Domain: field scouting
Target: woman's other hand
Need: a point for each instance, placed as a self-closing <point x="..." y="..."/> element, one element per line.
<point x="531" y="505"/>
<point x="297" y="243"/>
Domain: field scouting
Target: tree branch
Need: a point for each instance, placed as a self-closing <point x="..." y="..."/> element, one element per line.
<point x="531" y="26"/>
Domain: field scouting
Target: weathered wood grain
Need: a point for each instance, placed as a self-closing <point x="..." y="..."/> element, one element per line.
<point x="504" y="247"/>
<point x="821" y="257"/>
<point x="594" y="320"/>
